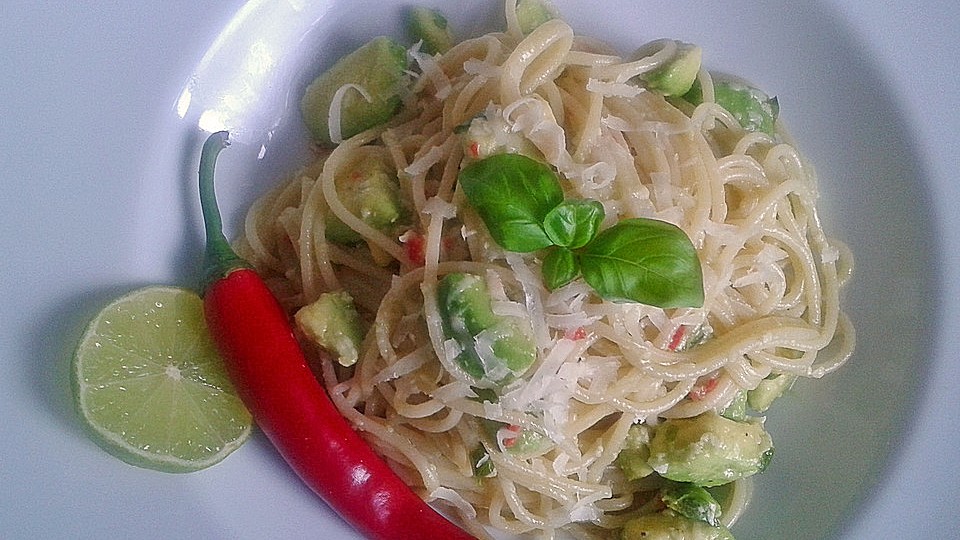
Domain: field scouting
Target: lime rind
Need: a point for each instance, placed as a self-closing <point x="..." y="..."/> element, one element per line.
<point x="149" y="384"/>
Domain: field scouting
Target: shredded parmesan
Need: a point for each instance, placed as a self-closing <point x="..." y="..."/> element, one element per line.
<point x="336" y="108"/>
<point x="423" y="163"/>
<point x="432" y="71"/>
<point x="617" y="89"/>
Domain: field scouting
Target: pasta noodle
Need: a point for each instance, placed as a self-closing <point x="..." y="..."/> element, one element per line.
<point x="747" y="200"/>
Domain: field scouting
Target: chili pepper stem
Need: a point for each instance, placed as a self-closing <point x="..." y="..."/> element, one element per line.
<point x="219" y="258"/>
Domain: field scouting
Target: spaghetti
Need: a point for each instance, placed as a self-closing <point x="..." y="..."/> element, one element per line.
<point x="747" y="201"/>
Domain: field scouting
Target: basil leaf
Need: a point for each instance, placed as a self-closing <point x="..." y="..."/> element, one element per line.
<point x="560" y="267"/>
<point x="644" y="260"/>
<point x="572" y="224"/>
<point x="512" y="194"/>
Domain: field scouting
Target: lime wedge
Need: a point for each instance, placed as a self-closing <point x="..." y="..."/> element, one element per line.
<point x="151" y="386"/>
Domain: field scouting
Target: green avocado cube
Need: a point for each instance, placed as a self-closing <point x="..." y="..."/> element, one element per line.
<point x="464" y="305"/>
<point x="752" y="107"/>
<point x="769" y="389"/>
<point x="430" y="27"/>
<point x="669" y="526"/>
<point x="379" y="68"/>
<point x="632" y="459"/>
<point x="533" y="13"/>
<point x="693" y="502"/>
<point x="370" y="190"/>
<point x="494" y="348"/>
<point x="709" y="450"/>
<point x="332" y="322"/>
<point x="677" y="74"/>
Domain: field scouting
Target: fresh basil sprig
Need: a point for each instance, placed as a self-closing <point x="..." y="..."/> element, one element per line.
<point x="560" y="266"/>
<point x="644" y="260"/>
<point x="513" y="194"/>
<point x="572" y="224"/>
<point x="520" y="200"/>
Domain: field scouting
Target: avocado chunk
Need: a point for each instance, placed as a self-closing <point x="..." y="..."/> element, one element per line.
<point x="709" y="450"/>
<point x="693" y="502"/>
<point x="481" y="463"/>
<point x="332" y="322"/>
<point x="370" y="190"/>
<point x="632" y="459"/>
<point x="493" y="348"/>
<point x="677" y="74"/>
<point x="669" y="526"/>
<point x="533" y="13"/>
<point x="379" y="68"/>
<point x="430" y="27"/>
<point x="737" y="409"/>
<point x="516" y="440"/>
<point x="769" y="389"/>
<point x="465" y="306"/>
<point x="753" y="108"/>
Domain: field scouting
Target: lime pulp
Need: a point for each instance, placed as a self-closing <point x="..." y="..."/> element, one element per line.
<point x="149" y="383"/>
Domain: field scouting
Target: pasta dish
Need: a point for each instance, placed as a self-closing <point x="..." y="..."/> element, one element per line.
<point x="522" y="386"/>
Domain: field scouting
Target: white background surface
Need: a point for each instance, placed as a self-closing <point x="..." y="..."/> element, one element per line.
<point x="98" y="199"/>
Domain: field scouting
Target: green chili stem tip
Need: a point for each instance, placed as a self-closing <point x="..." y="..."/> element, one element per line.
<point x="219" y="258"/>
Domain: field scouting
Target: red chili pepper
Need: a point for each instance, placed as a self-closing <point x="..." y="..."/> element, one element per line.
<point x="576" y="335"/>
<point x="509" y="442"/>
<point x="677" y="338"/>
<point x="416" y="247"/>
<point x="287" y="402"/>
<point x="701" y="391"/>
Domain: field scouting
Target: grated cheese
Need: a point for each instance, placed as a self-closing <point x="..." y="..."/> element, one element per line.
<point x="614" y="89"/>
<point x="336" y="108"/>
<point x="431" y="71"/>
<point x="423" y="163"/>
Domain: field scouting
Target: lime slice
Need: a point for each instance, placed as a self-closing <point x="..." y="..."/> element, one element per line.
<point x="149" y="382"/>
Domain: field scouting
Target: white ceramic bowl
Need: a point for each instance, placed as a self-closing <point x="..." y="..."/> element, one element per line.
<point x="106" y="201"/>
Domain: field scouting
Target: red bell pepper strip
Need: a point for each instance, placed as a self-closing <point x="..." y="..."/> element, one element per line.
<point x="287" y="402"/>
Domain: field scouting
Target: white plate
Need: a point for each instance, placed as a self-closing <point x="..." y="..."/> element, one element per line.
<point x="100" y="146"/>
